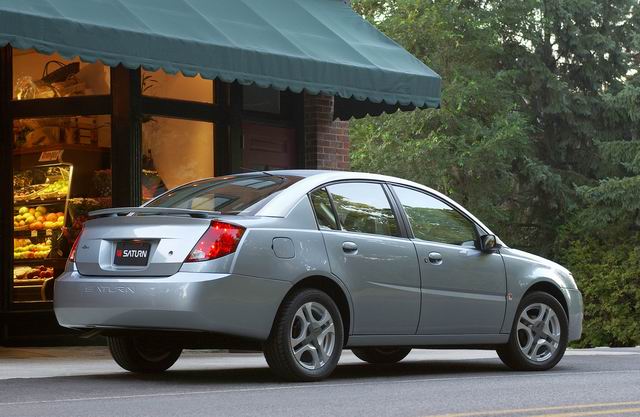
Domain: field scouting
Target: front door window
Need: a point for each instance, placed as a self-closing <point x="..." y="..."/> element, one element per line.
<point x="433" y="220"/>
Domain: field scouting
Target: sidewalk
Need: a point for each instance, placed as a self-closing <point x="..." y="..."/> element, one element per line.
<point x="46" y="362"/>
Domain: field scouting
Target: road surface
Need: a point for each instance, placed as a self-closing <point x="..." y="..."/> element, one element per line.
<point x="84" y="382"/>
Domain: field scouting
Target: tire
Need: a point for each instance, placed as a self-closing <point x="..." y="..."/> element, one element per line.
<point x="143" y="355"/>
<point x="518" y="353"/>
<point x="381" y="355"/>
<point x="310" y="322"/>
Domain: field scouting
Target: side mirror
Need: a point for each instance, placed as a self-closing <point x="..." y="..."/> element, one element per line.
<point x="488" y="243"/>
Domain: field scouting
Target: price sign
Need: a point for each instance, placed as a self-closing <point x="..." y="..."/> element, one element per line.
<point x="49" y="232"/>
<point x="34" y="233"/>
<point x="51" y="156"/>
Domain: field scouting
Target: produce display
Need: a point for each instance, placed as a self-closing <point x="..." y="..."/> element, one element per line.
<point x="40" y="241"/>
<point x="25" y="249"/>
<point x="30" y="273"/>
<point x="79" y="209"/>
<point x="41" y="183"/>
<point x="37" y="218"/>
<point x="28" y="192"/>
<point x="58" y="188"/>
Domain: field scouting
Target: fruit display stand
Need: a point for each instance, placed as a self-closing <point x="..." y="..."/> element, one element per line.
<point x="41" y="199"/>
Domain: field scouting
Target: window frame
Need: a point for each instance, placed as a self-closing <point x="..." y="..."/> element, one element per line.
<point x="477" y="229"/>
<point x="315" y="213"/>
<point x="395" y="209"/>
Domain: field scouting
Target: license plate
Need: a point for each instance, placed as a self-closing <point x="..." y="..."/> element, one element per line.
<point x="132" y="253"/>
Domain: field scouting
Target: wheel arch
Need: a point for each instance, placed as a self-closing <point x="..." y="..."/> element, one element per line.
<point x="551" y="289"/>
<point x="335" y="290"/>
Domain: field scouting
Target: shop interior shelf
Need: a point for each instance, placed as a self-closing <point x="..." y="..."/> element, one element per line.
<point x="48" y="261"/>
<point x="56" y="147"/>
<point x="41" y="233"/>
<point x="37" y="202"/>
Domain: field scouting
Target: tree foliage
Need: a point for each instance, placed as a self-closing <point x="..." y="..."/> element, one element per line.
<point x="539" y="130"/>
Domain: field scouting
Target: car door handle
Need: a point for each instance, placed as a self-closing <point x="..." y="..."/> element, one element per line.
<point x="349" y="247"/>
<point x="434" y="258"/>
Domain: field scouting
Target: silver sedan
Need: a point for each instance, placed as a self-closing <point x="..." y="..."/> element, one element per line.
<point x="301" y="264"/>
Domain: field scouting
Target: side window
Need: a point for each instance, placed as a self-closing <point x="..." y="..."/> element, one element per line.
<point x="364" y="208"/>
<point x="322" y="208"/>
<point x="435" y="221"/>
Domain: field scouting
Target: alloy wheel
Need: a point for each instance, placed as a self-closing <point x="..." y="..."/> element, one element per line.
<point x="312" y="336"/>
<point x="538" y="332"/>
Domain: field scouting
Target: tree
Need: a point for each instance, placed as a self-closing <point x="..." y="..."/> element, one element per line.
<point x="572" y="62"/>
<point x="475" y="148"/>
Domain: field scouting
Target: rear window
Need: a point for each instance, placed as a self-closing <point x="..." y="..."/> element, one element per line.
<point x="228" y="195"/>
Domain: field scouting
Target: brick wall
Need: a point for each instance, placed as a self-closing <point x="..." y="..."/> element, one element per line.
<point x="326" y="140"/>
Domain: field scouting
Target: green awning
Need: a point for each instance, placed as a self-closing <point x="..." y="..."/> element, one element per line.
<point x="321" y="46"/>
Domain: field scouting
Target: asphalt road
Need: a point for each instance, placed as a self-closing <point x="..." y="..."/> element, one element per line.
<point x="600" y="382"/>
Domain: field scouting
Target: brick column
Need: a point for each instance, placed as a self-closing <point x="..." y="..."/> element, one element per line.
<point x="326" y="140"/>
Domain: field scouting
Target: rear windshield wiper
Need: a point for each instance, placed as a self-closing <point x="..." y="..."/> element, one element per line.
<point x="125" y="211"/>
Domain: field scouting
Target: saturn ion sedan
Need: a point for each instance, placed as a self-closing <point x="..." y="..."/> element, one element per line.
<point x="302" y="264"/>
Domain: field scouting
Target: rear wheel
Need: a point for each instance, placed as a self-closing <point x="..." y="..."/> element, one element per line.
<point x="143" y="354"/>
<point x="539" y="334"/>
<point x="306" y="339"/>
<point x="380" y="355"/>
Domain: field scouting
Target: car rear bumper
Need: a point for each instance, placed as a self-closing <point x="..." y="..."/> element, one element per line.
<point x="231" y="304"/>
<point x="575" y="307"/>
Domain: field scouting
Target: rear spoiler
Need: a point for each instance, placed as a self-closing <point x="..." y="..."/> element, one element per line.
<point x="125" y="211"/>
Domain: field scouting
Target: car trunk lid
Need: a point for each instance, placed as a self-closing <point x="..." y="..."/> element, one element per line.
<point x="164" y="240"/>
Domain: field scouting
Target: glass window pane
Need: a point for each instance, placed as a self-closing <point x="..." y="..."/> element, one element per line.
<point x="324" y="212"/>
<point x="31" y="135"/>
<point x="229" y="195"/>
<point x="37" y="75"/>
<point x="175" y="152"/>
<point x="435" y="221"/>
<point x="364" y="208"/>
<point x="62" y="170"/>
<point x="177" y="86"/>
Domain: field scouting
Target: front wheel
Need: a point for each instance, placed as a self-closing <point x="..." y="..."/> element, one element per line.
<point x="381" y="355"/>
<point x="539" y="334"/>
<point x="306" y="339"/>
<point x="143" y="354"/>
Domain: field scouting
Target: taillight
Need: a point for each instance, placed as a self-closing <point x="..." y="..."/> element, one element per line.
<point x="219" y="240"/>
<point x="72" y="254"/>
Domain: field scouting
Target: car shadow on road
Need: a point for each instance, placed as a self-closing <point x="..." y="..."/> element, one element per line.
<point x="352" y="372"/>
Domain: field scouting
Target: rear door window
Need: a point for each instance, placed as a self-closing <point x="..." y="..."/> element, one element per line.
<point x="228" y="195"/>
<point x="324" y="212"/>
<point x="363" y="207"/>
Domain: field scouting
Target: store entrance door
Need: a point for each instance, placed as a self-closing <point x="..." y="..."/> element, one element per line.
<point x="268" y="147"/>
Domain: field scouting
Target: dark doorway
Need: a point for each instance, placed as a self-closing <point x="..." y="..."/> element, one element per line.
<point x="268" y="147"/>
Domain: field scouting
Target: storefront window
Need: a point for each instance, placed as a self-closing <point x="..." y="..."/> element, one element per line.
<point x="175" y="152"/>
<point x="37" y="75"/>
<point x="62" y="170"/>
<point x="177" y="86"/>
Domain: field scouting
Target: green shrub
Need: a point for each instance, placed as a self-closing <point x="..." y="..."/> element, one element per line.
<point x="608" y="274"/>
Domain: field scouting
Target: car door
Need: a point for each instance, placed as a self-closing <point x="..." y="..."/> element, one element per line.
<point x="463" y="289"/>
<point x="368" y="253"/>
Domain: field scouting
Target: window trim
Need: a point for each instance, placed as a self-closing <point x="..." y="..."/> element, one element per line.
<point x="392" y="204"/>
<point x="477" y="229"/>
<point x="315" y="213"/>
